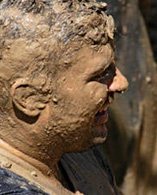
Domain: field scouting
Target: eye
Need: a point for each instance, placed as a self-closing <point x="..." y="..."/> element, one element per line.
<point x="107" y="76"/>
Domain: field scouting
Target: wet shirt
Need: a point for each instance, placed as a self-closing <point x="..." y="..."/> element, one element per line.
<point x="11" y="183"/>
<point x="87" y="172"/>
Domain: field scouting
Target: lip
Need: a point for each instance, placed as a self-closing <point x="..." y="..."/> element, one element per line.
<point x="100" y="120"/>
<point x="101" y="117"/>
<point x="100" y="129"/>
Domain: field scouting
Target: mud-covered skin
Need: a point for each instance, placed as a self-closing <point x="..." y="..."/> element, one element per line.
<point x="37" y="54"/>
<point x="49" y="60"/>
<point x="79" y="99"/>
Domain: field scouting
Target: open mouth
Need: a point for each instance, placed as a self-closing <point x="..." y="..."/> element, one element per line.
<point x="100" y="129"/>
<point x="101" y="118"/>
<point x="102" y="114"/>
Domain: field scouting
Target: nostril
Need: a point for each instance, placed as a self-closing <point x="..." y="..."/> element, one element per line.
<point x="121" y="91"/>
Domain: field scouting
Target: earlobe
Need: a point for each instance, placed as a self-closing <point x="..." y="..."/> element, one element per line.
<point x="26" y="98"/>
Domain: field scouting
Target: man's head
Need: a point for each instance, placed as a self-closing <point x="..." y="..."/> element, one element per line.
<point x="57" y="74"/>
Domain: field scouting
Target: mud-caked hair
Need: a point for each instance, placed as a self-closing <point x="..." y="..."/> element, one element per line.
<point x="68" y="20"/>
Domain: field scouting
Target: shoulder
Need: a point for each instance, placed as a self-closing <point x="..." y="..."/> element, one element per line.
<point x="11" y="183"/>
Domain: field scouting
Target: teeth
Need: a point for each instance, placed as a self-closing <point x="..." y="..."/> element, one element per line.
<point x="110" y="100"/>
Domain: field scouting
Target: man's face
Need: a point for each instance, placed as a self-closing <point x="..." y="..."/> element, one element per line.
<point x="83" y="93"/>
<point x="76" y="112"/>
<point x="74" y="117"/>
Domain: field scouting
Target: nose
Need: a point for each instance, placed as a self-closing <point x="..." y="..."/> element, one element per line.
<point x="119" y="84"/>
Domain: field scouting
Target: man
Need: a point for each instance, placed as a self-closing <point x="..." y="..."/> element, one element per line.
<point x="57" y="79"/>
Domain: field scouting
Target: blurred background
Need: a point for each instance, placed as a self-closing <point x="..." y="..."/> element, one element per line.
<point x="132" y="143"/>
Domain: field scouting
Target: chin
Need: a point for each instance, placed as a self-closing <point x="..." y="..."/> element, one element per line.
<point x="88" y="144"/>
<point x="93" y="135"/>
<point x="99" y="140"/>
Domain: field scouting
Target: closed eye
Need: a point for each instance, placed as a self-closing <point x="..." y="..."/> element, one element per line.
<point x="105" y="77"/>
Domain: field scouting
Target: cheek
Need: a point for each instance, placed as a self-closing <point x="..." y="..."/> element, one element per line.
<point x="80" y="99"/>
<point x="97" y="93"/>
<point x="87" y="99"/>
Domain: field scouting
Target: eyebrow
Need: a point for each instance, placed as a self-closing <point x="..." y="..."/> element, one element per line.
<point x="101" y="68"/>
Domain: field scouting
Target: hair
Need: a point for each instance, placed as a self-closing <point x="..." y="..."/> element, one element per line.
<point x="80" y="22"/>
<point x="70" y="19"/>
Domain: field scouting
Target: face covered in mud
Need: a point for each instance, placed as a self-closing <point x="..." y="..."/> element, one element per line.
<point x="63" y="76"/>
<point x="83" y="94"/>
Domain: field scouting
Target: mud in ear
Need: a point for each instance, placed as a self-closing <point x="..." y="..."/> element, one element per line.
<point x="26" y="98"/>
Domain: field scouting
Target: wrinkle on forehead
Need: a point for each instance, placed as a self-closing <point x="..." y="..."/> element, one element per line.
<point x="88" y="60"/>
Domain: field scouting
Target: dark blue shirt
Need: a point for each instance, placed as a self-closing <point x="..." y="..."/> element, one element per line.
<point x="11" y="183"/>
<point x="87" y="172"/>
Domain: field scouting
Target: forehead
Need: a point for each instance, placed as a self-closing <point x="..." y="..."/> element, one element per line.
<point x="40" y="41"/>
<point x="27" y="55"/>
<point x="89" y="59"/>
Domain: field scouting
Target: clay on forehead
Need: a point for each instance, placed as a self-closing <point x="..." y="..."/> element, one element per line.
<point x="47" y="30"/>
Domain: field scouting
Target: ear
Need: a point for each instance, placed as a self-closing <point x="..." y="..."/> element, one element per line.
<point x="27" y="98"/>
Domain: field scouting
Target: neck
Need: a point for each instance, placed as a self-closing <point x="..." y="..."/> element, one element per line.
<point x="31" y="143"/>
<point x="29" y="168"/>
<point x="35" y="163"/>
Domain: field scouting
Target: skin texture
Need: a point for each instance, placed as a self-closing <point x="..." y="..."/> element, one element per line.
<point x="55" y="80"/>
